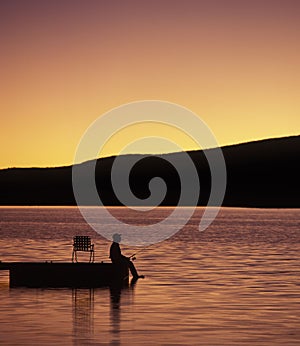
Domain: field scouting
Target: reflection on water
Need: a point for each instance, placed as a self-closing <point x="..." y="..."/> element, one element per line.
<point x="235" y="284"/>
<point x="83" y="315"/>
<point x="83" y="308"/>
<point x="116" y="309"/>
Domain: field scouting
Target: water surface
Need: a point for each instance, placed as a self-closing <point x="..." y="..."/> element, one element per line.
<point x="237" y="283"/>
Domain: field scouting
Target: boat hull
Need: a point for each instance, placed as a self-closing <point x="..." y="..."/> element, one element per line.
<point x="48" y="274"/>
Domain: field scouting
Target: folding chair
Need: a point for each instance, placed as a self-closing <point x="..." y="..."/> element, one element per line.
<point x="83" y="243"/>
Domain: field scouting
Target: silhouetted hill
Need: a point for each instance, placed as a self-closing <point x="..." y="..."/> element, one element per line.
<point x="259" y="174"/>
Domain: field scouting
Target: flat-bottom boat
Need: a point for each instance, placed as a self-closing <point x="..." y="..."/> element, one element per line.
<point x="59" y="274"/>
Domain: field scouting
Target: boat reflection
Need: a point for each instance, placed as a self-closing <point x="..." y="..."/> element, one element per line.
<point x="85" y="314"/>
<point x="116" y="294"/>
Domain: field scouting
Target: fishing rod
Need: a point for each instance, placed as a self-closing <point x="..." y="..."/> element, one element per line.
<point x="132" y="257"/>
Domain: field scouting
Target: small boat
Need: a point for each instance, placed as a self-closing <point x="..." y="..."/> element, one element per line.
<point x="62" y="274"/>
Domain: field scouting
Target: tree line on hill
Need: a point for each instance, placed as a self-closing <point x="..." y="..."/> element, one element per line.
<point x="259" y="174"/>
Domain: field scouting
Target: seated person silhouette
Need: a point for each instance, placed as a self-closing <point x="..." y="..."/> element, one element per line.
<point x="117" y="258"/>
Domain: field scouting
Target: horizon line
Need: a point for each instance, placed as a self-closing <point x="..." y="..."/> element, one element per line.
<point x="154" y="154"/>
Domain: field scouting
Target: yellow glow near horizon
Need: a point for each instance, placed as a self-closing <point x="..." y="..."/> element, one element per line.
<point x="134" y="133"/>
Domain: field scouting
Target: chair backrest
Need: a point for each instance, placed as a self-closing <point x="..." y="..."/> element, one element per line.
<point x="82" y="243"/>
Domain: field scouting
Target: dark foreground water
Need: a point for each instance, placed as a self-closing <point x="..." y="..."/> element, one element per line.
<point x="237" y="283"/>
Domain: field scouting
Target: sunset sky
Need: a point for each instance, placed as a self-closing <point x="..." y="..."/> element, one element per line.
<point x="64" y="63"/>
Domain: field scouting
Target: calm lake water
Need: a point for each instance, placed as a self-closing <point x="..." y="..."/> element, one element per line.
<point x="237" y="283"/>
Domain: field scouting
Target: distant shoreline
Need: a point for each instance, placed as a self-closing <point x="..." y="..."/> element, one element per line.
<point x="114" y="206"/>
<point x="260" y="174"/>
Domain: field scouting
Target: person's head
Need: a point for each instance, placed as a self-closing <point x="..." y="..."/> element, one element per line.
<point x="117" y="238"/>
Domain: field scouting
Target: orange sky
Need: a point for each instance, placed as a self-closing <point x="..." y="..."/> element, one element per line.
<point x="64" y="63"/>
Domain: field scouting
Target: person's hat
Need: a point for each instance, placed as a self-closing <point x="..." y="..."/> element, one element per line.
<point x="116" y="235"/>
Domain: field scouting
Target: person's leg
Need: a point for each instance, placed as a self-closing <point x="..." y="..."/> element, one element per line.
<point x="132" y="269"/>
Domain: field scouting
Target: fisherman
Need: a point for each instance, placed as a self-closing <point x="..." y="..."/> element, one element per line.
<point x="117" y="258"/>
